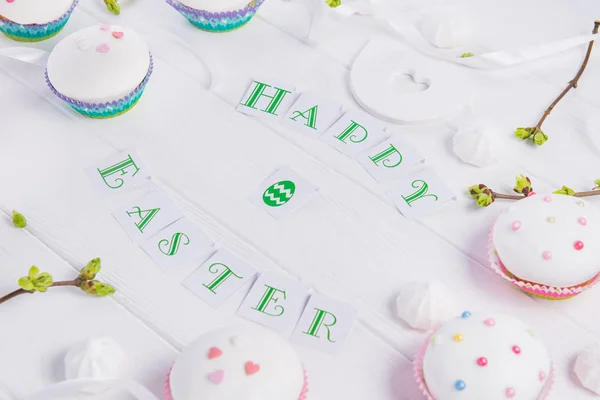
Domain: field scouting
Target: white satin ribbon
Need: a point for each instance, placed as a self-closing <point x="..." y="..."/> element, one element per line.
<point x="27" y="55"/>
<point x="92" y="389"/>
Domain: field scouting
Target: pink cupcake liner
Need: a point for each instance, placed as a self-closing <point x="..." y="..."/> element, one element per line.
<point x="303" y="394"/>
<point x="547" y="292"/>
<point x="420" y="377"/>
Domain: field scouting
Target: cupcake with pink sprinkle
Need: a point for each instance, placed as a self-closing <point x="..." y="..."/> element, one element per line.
<point x="238" y="363"/>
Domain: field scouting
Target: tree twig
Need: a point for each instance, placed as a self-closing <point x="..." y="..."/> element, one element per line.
<point x="74" y="282"/>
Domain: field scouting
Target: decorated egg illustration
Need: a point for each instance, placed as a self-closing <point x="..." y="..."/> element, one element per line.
<point x="279" y="193"/>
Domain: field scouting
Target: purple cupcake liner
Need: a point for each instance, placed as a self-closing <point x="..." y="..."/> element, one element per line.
<point x="217" y="21"/>
<point x="34" y="32"/>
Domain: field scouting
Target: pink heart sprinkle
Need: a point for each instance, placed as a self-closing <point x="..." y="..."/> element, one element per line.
<point x="103" y="48"/>
<point x="216" y="377"/>
<point x="251" y="368"/>
<point x="104" y="27"/>
<point x="214" y="352"/>
<point x="547" y="255"/>
<point x="548" y="199"/>
<point x="118" y="35"/>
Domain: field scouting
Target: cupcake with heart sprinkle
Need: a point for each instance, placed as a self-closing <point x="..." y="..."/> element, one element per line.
<point x="100" y="71"/>
<point x="240" y="364"/>
<point x="34" y="20"/>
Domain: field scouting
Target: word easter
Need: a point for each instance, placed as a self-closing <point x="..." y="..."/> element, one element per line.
<point x="357" y="135"/>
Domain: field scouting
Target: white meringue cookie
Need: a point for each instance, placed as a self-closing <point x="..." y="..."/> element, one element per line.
<point x="477" y="143"/>
<point x="446" y="28"/>
<point x="99" y="358"/>
<point x="426" y="305"/>
<point x="587" y="368"/>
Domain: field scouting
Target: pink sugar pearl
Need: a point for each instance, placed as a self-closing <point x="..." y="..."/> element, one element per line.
<point x="489" y="322"/>
<point x="547" y="199"/>
<point x="510" y="392"/>
<point x="516" y="225"/>
<point x="582" y="221"/>
<point x="578" y="245"/>
<point x="542" y="376"/>
<point x="547" y="255"/>
<point x="10" y="1"/>
<point x="516" y="349"/>
<point x="482" y="361"/>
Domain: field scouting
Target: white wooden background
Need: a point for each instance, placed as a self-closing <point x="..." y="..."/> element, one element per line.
<point x="349" y="242"/>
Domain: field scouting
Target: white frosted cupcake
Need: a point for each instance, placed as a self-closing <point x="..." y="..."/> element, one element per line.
<point x="548" y="245"/>
<point x="101" y="71"/>
<point x="34" y="20"/>
<point x="240" y="364"/>
<point x="217" y="15"/>
<point x="484" y="356"/>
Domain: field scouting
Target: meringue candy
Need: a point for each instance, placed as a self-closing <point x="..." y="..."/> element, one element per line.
<point x="477" y="143"/>
<point x="99" y="358"/>
<point x="426" y="305"/>
<point x="587" y="368"/>
<point x="446" y="28"/>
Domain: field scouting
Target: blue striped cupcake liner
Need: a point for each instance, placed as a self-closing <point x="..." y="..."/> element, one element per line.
<point x="220" y="21"/>
<point x="109" y="109"/>
<point x="35" y="32"/>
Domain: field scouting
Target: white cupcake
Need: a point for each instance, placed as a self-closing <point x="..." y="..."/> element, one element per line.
<point x="217" y="15"/>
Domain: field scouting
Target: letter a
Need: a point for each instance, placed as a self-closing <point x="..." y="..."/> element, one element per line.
<point x="259" y="91"/>
<point x="348" y="133"/>
<point x="144" y="215"/>
<point x="268" y="298"/>
<point x="118" y="167"/>
<point x="318" y="322"/>
<point x="311" y="118"/>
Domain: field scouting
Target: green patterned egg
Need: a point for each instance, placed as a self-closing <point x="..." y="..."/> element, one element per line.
<point x="279" y="193"/>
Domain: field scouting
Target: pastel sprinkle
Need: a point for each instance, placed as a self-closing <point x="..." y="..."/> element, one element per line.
<point x="103" y="48"/>
<point x="547" y="255"/>
<point x="460" y="385"/>
<point x="531" y="194"/>
<point x="516" y="225"/>
<point x="435" y="340"/>
<point x="251" y="368"/>
<point x="580" y="203"/>
<point x="214" y="352"/>
<point x="466" y="314"/>
<point x="582" y="221"/>
<point x="104" y="27"/>
<point x="482" y="361"/>
<point x="118" y="35"/>
<point x="578" y="245"/>
<point x="551" y="219"/>
<point x="489" y="322"/>
<point x="516" y="349"/>
<point x="547" y="199"/>
<point x="458" y="337"/>
<point x="531" y="332"/>
<point x="542" y="376"/>
<point x="216" y="377"/>
<point x="510" y="392"/>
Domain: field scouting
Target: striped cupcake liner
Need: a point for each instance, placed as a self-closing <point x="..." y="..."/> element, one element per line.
<point x="420" y="376"/>
<point x="535" y="289"/>
<point x="220" y="21"/>
<point x="35" y="32"/>
<point x="109" y="109"/>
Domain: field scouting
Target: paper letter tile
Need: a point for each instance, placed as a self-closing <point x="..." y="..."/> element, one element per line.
<point x="283" y="192"/>
<point x="325" y="324"/>
<point x="220" y="277"/>
<point x="266" y="98"/>
<point x="390" y="160"/>
<point x="145" y="216"/>
<point x="119" y="172"/>
<point x="312" y="114"/>
<point x="420" y="193"/>
<point x="275" y="301"/>
<point x="354" y="133"/>
<point x="179" y="244"/>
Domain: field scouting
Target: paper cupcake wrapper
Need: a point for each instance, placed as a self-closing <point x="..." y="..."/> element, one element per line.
<point x="35" y="32"/>
<point x="220" y="21"/>
<point x="420" y="377"/>
<point x="542" y="291"/>
<point x="303" y="394"/>
<point x="109" y="109"/>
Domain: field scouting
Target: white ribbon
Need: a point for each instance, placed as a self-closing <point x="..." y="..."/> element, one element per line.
<point x="29" y="55"/>
<point x="92" y="389"/>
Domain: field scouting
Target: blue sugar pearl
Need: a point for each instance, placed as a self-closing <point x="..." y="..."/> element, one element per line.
<point x="460" y="385"/>
<point x="466" y="314"/>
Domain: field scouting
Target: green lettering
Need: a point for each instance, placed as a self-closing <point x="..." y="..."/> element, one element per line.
<point x="348" y="133"/>
<point x="259" y="91"/>
<point x="268" y="298"/>
<point x="318" y="322"/>
<point x="384" y="157"/>
<point x="121" y="167"/>
<point x="422" y="188"/>
<point x="223" y="276"/>
<point x="311" y="118"/>
<point x="145" y="218"/>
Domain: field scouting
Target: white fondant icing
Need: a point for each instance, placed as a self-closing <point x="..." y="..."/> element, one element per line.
<point x="446" y="361"/>
<point x="553" y="227"/>
<point x="477" y="144"/>
<point x="216" y="6"/>
<point x="281" y="376"/>
<point x="446" y="28"/>
<point x="34" y="11"/>
<point x="99" y="358"/>
<point x="92" y="65"/>
<point x="425" y="305"/>
<point x="587" y="368"/>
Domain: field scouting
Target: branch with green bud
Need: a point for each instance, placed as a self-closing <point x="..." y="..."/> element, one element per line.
<point x="333" y="3"/>
<point x="467" y="55"/>
<point x="37" y="281"/>
<point x="536" y="134"/>
<point x="484" y="196"/>
<point x="113" y="6"/>
<point x="18" y="220"/>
